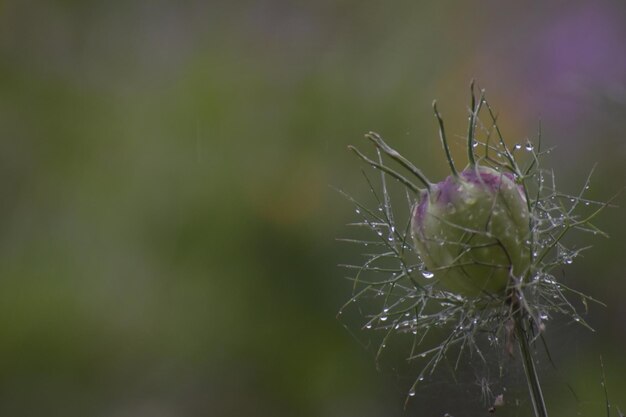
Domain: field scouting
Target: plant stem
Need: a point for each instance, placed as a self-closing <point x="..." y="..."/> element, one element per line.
<point x="536" y="395"/>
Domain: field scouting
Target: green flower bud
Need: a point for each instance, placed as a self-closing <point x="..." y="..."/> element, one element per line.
<point x="471" y="231"/>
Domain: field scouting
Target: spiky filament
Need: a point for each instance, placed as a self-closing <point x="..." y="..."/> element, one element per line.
<point x="386" y="169"/>
<point x="444" y="141"/>
<point x="470" y="129"/>
<point x="395" y="155"/>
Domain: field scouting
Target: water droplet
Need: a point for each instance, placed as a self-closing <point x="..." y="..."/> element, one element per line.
<point x="421" y="378"/>
<point x="518" y="146"/>
<point x="427" y="274"/>
<point x="385" y="310"/>
<point x="383" y="318"/>
<point x="357" y="211"/>
<point x="412" y="392"/>
<point x="368" y="326"/>
<point x="529" y="147"/>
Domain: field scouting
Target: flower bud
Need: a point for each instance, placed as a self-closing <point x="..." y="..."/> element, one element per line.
<point x="471" y="231"/>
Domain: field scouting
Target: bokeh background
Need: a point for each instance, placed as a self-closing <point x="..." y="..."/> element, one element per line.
<point x="167" y="222"/>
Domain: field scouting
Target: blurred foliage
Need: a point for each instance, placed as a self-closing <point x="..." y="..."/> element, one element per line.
<point x="167" y="225"/>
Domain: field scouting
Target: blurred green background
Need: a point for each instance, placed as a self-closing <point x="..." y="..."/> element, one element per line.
<point x="167" y="228"/>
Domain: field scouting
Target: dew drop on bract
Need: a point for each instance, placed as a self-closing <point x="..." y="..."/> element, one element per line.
<point x="427" y="274"/>
<point x="412" y="392"/>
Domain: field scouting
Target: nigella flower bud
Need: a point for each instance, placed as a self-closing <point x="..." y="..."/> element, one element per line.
<point x="471" y="231"/>
<point x="490" y="249"/>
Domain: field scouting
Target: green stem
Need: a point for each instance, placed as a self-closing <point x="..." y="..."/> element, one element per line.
<point x="536" y="395"/>
<point x="444" y="141"/>
<point x="470" y="132"/>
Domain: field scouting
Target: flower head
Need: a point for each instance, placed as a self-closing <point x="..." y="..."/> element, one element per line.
<point x="475" y="256"/>
<point x="472" y="231"/>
